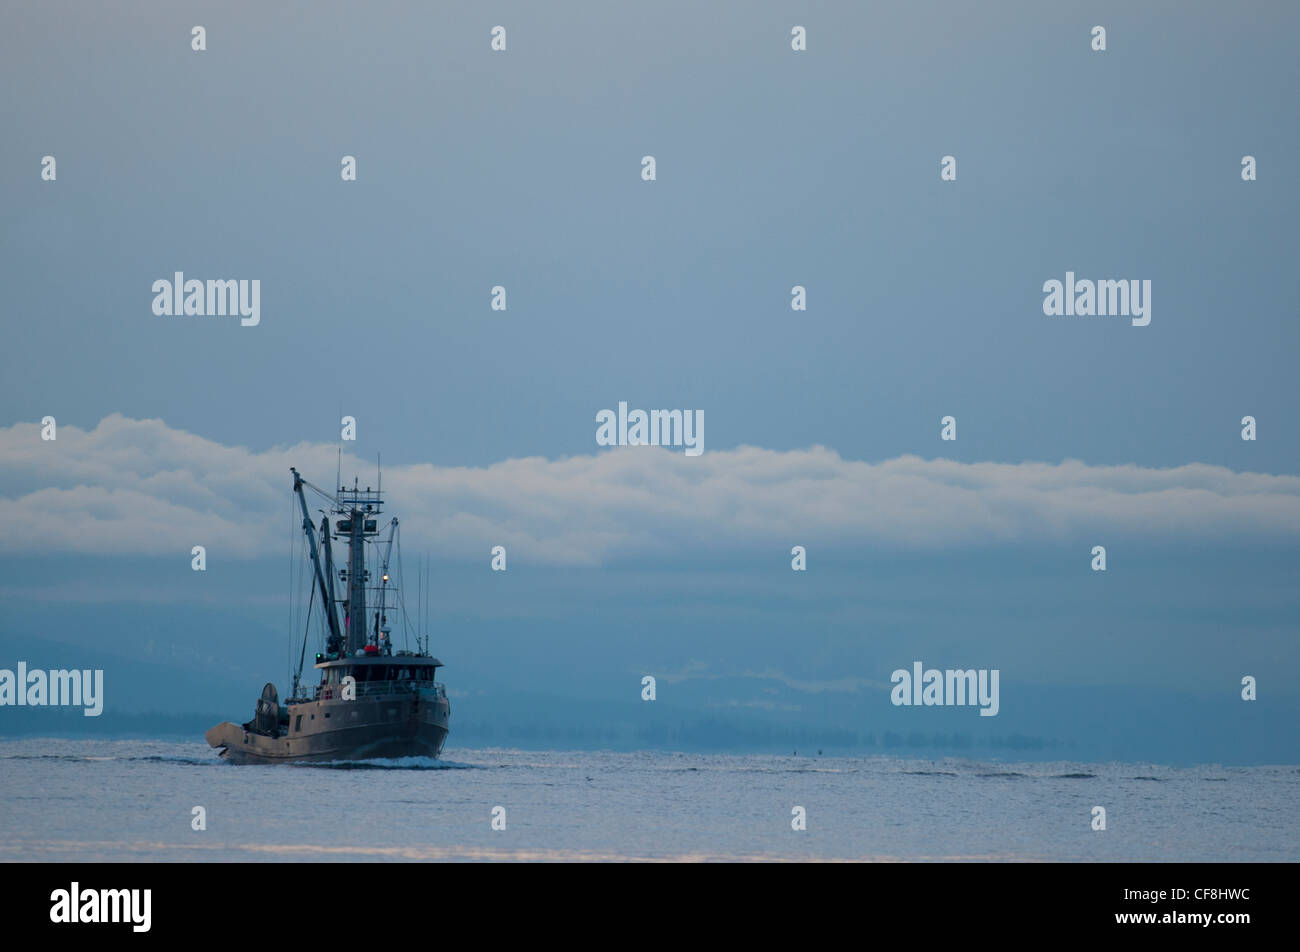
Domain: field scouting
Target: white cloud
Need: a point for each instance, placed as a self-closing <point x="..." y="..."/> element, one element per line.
<point x="141" y="487"/>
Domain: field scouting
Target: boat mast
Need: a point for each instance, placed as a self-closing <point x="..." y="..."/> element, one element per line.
<point x="359" y="508"/>
<point x="356" y="582"/>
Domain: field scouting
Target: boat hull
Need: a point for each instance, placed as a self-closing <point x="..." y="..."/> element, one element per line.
<point x="362" y="729"/>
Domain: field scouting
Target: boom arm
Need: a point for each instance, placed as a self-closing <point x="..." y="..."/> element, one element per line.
<point x="336" y="636"/>
<point x="329" y="567"/>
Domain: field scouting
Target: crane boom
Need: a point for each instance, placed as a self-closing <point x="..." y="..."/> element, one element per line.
<point x="336" y="636"/>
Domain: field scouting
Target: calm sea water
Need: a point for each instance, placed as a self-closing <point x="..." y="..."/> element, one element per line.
<point x="133" y="799"/>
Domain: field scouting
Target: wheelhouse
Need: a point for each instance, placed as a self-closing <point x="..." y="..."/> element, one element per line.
<point x="380" y="675"/>
<point x="381" y="668"/>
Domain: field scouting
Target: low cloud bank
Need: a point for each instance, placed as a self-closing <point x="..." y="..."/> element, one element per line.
<point x="140" y="487"/>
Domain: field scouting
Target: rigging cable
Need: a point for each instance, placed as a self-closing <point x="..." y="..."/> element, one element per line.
<point x="401" y="594"/>
<point x="288" y="651"/>
<point x="303" y="656"/>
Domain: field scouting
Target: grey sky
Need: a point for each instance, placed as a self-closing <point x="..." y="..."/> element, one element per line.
<point x="774" y="169"/>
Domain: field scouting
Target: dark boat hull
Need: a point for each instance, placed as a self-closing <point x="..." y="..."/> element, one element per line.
<point x="362" y="729"/>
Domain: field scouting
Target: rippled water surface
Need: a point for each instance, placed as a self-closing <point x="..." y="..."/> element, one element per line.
<point x="133" y="800"/>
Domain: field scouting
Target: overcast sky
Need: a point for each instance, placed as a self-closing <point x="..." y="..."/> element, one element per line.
<point x="774" y="168"/>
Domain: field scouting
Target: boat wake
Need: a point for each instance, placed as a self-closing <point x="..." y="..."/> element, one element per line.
<point x="387" y="763"/>
<point x="89" y="759"/>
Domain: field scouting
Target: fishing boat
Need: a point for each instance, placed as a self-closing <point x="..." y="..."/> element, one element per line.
<point x="372" y="701"/>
